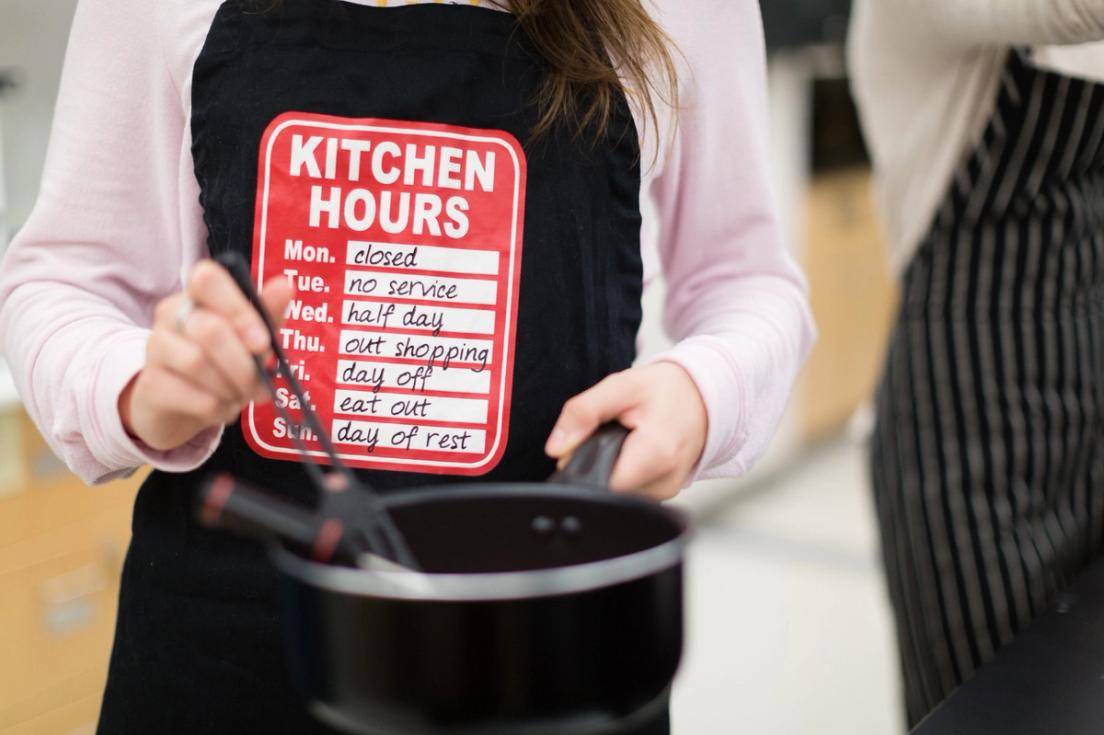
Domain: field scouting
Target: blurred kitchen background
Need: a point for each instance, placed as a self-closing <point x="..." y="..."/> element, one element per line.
<point x="789" y="626"/>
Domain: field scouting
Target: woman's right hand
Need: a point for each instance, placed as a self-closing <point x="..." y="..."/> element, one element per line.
<point x="200" y="374"/>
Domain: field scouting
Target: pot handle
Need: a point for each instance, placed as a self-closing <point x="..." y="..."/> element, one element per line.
<point x="592" y="463"/>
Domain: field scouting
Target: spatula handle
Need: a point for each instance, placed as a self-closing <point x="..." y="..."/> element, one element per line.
<point x="227" y="503"/>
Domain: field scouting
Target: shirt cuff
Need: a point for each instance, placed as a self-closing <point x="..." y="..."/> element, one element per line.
<point x="723" y="392"/>
<point x="110" y="441"/>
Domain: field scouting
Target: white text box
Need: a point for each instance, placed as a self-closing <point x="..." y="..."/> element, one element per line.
<point x="375" y="435"/>
<point x="442" y="351"/>
<point x="421" y="288"/>
<point x="411" y="407"/>
<point x="376" y="375"/>
<point x="433" y="319"/>
<point x="422" y="257"/>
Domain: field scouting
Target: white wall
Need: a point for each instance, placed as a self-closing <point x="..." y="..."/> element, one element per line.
<point x="33" y="34"/>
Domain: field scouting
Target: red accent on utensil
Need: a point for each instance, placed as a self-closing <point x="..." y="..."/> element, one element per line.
<point x="329" y="535"/>
<point x="222" y="487"/>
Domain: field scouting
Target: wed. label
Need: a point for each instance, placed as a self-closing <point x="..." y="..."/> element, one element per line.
<point x="403" y="242"/>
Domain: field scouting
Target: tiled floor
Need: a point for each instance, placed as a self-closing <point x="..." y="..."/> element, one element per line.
<point x="789" y="629"/>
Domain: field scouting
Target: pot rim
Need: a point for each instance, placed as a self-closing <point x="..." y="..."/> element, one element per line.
<point x="497" y="586"/>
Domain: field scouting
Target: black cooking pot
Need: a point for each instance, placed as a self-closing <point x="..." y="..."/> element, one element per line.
<point x="547" y="608"/>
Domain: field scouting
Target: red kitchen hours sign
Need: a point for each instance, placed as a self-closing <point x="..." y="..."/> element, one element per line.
<point x="403" y="241"/>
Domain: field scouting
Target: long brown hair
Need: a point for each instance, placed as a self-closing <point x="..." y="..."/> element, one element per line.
<point x="596" y="49"/>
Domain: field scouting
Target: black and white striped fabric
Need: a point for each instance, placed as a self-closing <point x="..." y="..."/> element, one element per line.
<point x="988" y="456"/>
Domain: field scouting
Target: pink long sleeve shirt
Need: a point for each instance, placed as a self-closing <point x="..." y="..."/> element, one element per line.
<point x="118" y="225"/>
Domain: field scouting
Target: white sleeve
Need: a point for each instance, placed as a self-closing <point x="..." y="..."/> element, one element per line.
<point x="1006" y="22"/>
<point x="103" y="243"/>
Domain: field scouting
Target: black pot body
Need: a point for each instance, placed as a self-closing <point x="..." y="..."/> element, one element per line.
<point x="576" y="628"/>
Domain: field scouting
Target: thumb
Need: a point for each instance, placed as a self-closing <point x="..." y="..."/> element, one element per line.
<point x="275" y="296"/>
<point x="584" y="413"/>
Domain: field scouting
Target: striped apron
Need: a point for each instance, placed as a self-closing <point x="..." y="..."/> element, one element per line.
<point x="988" y="455"/>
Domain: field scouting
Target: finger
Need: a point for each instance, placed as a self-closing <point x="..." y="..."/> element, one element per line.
<point x="224" y="349"/>
<point x="612" y="398"/>
<point x="169" y="394"/>
<point x="666" y="489"/>
<point x="187" y="360"/>
<point x="212" y="287"/>
<point x="164" y="314"/>
<point x="649" y="462"/>
<point x="275" y="297"/>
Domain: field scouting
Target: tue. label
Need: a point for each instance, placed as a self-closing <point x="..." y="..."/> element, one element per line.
<point x="403" y="242"/>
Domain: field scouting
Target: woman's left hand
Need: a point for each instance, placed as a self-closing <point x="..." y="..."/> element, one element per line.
<point x="661" y="406"/>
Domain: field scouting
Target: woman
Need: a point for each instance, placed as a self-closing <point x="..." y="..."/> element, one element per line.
<point x="986" y="122"/>
<point x="443" y="200"/>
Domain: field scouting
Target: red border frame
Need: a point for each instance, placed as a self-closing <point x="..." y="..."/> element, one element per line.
<point x="505" y="337"/>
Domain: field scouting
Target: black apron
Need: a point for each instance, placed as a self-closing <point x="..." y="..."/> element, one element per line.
<point x="988" y="458"/>
<point x="534" y="255"/>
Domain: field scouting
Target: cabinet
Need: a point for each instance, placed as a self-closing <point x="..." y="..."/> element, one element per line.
<point x="853" y="295"/>
<point x="61" y="551"/>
